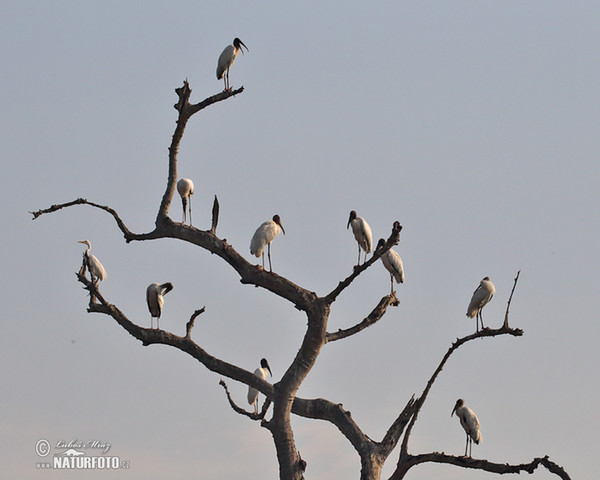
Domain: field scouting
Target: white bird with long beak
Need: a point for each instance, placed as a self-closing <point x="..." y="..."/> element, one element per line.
<point x="226" y="60"/>
<point x="260" y="372"/>
<point x="264" y="235"/>
<point x="393" y="264"/>
<point x="155" y="300"/>
<point x="481" y="297"/>
<point x="362" y="233"/>
<point x="469" y="422"/>
<point x="185" y="188"/>
<point x="94" y="266"/>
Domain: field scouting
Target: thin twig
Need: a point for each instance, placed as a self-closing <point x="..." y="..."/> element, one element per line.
<point x="510" y="299"/>
<point x="190" y="324"/>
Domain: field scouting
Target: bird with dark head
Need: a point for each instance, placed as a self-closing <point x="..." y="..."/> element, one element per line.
<point x="393" y="264"/>
<point x="155" y="300"/>
<point x="469" y="422"/>
<point x="260" y="372"/>
<point x="226" y="59"/>
<point x="362" y="233"/>
<point x="264" y="235"/>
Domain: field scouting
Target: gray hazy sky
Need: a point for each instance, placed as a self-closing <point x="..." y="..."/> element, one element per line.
<point x="473" y="123"/>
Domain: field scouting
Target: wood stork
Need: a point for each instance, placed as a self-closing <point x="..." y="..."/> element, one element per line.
<point x="481" y="297"/>
<point x="362" y="233"/>
<point x="155" y="300"/>
<point x="226" y="59"/>
<point x="264" y="235"/>
<point x="94" y="266"/>
<point x="469" y="422"/>
<point x="260" y="372"/>
<point x="393" y="264"/>
<point x="185" y="187"/>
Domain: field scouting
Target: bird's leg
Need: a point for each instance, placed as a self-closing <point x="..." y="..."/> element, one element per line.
<point x="392" y="284"/>
<point x="269" y="255"/>
<point x="190" y="208"/>
<point x="151" y="323"/>
<point x="481" y="318"/>
<point x="467" y="445"/>
<point x="358" y="264"/>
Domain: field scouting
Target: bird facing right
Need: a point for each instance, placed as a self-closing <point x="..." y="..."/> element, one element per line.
<point x="264" y="235"/>
<point x="393" y="264"/>
<point x="155" y="300"/>
<point x="469" y="422"/>
<point x="260" y="372"/>
<point x="93" y="264"/>
<point x="226" y="59"/>
<point x="481" y="297"/>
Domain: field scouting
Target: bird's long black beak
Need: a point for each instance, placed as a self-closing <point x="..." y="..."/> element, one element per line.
<point x="241" y="49"/>
<point x="453" y="410"/>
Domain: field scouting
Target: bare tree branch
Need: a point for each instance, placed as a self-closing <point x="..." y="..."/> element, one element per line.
<point x="375" y="315"/>
<point x="190" y="324"/>
<point x="510" y="299"/>
<point x="215" y="215"/>
<point x="240" y="410"/>
<point x="467" y="462"/>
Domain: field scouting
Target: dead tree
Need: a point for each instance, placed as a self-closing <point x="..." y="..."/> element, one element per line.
<point x="282" y="395"/>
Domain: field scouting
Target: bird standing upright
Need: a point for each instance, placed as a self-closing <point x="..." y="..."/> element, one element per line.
<point x="260" y="372"/>
<point x="185" y="188"/>
<point x="362" y="233"/>
<point x="155" y="300"/>
<point x="226" y="59"/>
<point x="469" y="422"/>
<point x="264" y="235"/>
<point x="481" y="297"/>
<point x="393" y="264"/>
<point x="92" y="263"/>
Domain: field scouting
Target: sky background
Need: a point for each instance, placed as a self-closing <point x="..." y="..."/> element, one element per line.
<point x="473" y="123"/>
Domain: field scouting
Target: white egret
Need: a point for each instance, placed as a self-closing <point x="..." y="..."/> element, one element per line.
<point x="469" y="422"/>
<point x="155" y="300"/>
<point x="393" y="264"/>
<point x="264" y="235"/>
<point x="260" y="372"/>
<point x="185" y="187"/>
<point x="226" y="59"/>
<point x="362" y="233"/>
<point x="481" y="297"/>
<point x="93" y="264"/>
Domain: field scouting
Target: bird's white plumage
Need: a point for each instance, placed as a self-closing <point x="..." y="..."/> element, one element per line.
<point x="362" y="233"/>
<point x="155" y="300"/>
<point x="469" y="422"/>
<point x="481" y="297"/>
<point x="185" y="188"/>
<point x="264" y="235"/>
<point x="96" y="268"/>
<point x="226" y="59"/>
<point x="260" y="372"/>
<point x="393" y="263"/>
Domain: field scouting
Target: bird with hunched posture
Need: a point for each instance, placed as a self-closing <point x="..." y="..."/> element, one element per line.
<point x="185" y="188"/>
<point x="393" y="264"/>
<point x="481" y="297"/>
<point x="260" y="372"/>
<point x="226" y="59"/>
<point x="93" y="264"/>
<point x="155" y="300"/>
<point x="362" y="233"/>
<point x="264" y="235"/>
<point x="469" y="422"/>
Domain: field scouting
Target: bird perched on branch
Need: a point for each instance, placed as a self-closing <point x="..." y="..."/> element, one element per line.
<point x="481" y="297"/>
<point x="393" y="264"/>
<point x="92" y="263"/>
<point x="185" y="188"/>
<point x="226" y="60"/>
<point x="264" y="235"/>
<point x="155" y="300"/>
<point x="260" y="372"/>
<point x="362" y="233"/>
<point x="469" y="422"/>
